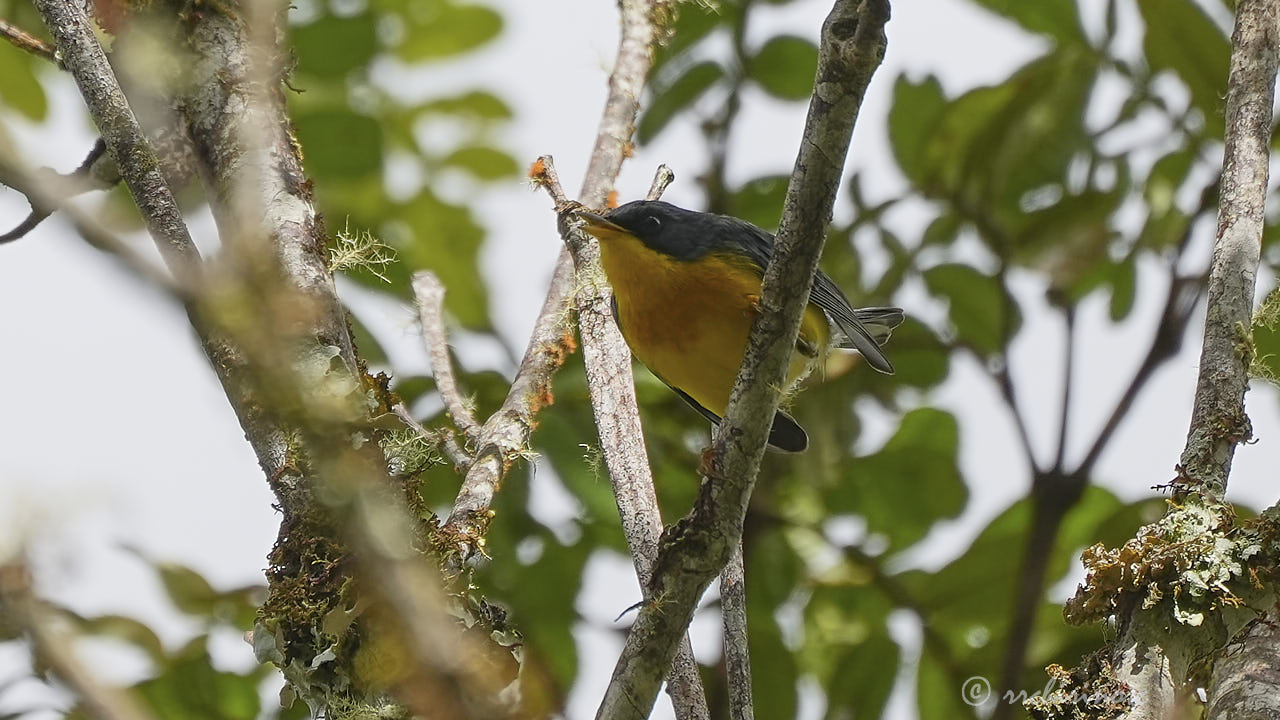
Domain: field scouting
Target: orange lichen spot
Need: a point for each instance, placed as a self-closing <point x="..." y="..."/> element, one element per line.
<point x="628" y="150"/>
<point x="569" y="342"/>
<point x="612" y="199"/>
<point x="538" y="171"/>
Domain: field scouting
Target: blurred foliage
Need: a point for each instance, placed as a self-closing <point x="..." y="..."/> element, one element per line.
<point x="1090" y="194"/>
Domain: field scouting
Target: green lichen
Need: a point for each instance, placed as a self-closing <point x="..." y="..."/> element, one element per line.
<point x="1194" y="561"/>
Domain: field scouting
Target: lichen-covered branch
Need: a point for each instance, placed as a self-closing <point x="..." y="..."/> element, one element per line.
<point x="504" y="438"/>
<point x="698" y="547"/>
<point x="737" y="655"/>
<point x="1218" y="420"/>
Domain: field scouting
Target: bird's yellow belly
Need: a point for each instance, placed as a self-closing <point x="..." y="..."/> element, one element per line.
<point x="688" y="321"/>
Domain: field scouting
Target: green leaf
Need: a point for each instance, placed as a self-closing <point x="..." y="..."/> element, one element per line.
<point x="20" y="89"/>
<point x="980" y="313"/>
<point x="1056" y="18"/>
<point x="916" y="112"/>
<point x="127" y="629"/>
<point x="333" y="46"/>
<point x="438" y="29"/>
<point x="670" y="100"/>
<point x="909" y="484"/>
<point x="477" y="104"/>
<point x="773" y="692"/>
<point x="339" y="143"/>
<point x="785" y="67"/>
<point x="865" y="677"/>
<point x="759" y="201"/>
<point x="1181" y="37"/>
<point x="485" y="163"/>
<point x="772" y="568"/>
<point x="694" y="21"/>
<point x="191" y="687"/>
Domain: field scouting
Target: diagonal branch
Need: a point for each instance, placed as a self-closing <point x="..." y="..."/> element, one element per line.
<point x="700" y="544"/>
<point x="79" y="49"/>
<point x="24" y="40"/>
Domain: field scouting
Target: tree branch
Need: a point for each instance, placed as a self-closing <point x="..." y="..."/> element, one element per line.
<point x="505" y="435"/>
<point x="79" y="49"/>
<point x="1246" y="678"/>
<point x="24" y="40"/>
<point x="699" y="546"/>
<point x="737" y="649"/>
<point x="613" y="401"/>
<point x="429" y="294"/>
<point x="1143" y="654"/>
<point x="1218" y="420"/>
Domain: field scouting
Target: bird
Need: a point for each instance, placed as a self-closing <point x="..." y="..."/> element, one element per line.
<point x="686" y="289"/>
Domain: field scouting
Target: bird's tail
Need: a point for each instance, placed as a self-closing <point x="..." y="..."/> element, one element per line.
<point x="879" y="321"/>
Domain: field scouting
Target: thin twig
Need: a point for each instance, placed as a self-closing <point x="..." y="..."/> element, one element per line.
<point x="429" y="294"/>
<point x="1068" y="377"/>
<point x="444" y="439"/>
<point x="737" y="651"/>
<point x="55" y="648"/>
<point x="697" y="548"/>
<point x="37" y="188"/>
<point x="662" y="179"/>
<point x="24" y="40"/>
<point x="79" y="49"/>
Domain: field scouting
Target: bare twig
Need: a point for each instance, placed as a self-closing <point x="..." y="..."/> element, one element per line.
<point x="24" y="40"/>
<point x="1068" y="377"/>
<point x="54" y="647"/>
<point x="700" y="544"/>
<point x="37" y="189"/>
<point x="79" y="49"/>
<point x="662" y="178"/>
<point x="737" y="655"/>
<point x="429" y="294"/>
<point x="1218" y="420"/>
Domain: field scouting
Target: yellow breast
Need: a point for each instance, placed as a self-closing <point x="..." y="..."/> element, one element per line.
<point x="688" y="321"/>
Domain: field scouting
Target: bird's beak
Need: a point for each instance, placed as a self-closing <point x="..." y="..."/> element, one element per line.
<point x="596" y="224"/>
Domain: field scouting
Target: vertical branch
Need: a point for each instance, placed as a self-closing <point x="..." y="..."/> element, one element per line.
<point x="1218" y="420"/>
<point x="737" y="650"/>
<point x="1144" y="653"/>
<point x="697" y="548"/>
<point x="1246" y="679"/>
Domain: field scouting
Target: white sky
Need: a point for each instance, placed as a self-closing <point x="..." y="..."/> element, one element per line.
<point x="113" y="432"/>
